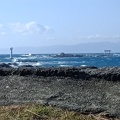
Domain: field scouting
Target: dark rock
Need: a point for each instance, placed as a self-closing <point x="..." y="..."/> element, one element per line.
<point x="15" y="64"/>
<point x="69" y="88"/>
<point x="3" y="65"/>
<point x="26" y="66"/>
<point x="91" y="67"/>
<point x="110" y="74"/>
<point x="24" y="72"/>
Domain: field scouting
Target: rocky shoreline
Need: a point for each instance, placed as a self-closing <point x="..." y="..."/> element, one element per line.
<point x="83" y="89"/>
<point x="107" y="73"/>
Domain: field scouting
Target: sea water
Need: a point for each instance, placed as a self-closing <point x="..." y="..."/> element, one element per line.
<point x="50" y="60"/>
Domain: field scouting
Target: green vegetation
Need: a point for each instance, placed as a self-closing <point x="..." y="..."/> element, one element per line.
<point x="41" y="112"/>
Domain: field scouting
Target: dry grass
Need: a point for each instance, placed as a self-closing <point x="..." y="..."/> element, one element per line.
<point x="41" y="112"/>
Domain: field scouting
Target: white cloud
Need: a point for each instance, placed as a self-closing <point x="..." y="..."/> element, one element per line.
<point x="3" y="33"/>
<point x="29" y="28"/>
<point x="1" y="26"/>
<point x="116" y="36"/>
<point x="48" y="29"/>
<point x="97" y="36"/>
<point x="2" y="29"/>
<point x="50" y="38"/>
<point x="93" y="36"/>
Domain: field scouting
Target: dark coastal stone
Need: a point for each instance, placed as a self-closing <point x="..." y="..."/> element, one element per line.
<point x="3" y="65"/>
<point x="14" y="64"/>
<point x="2" y="72"/>
<point x="87" y="90"/>
<point x="24" y="72"/>
<point x="26" y="66"/>
<point x="91" y="67"/>
<point x="84" y="73"/>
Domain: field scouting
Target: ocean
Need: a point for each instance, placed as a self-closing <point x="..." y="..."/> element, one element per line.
<point x="51" y="60"/>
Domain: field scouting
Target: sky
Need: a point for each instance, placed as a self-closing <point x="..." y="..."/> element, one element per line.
<point x="34" y="23"/>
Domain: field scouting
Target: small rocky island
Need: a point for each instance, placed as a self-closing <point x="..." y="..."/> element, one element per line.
<point x="68" y="55"/>
<point x="83" y="89"/>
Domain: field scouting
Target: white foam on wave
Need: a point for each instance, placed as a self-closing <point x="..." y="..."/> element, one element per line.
<point x="24" y="59"/>
<point x="61" y="62"/>
<point x="14" y="66"/>
<point x="83" y="65"/>
<point x="25" y="55"/>
<point x="45" y="56"/>
<point x="37" y="64"/>
<point x="28" y="55"/>
<point x="65" y="65"/>
<point x="21" y="63"/>
<point x="32" y="57"/>
<point x="28" y="63"/>
<point x="69" y="62"/>
<point x="18" y="58"/>
<point x="116" y="54"/>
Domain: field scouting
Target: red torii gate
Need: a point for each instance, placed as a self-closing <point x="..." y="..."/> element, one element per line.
<point x="107" y="51"/>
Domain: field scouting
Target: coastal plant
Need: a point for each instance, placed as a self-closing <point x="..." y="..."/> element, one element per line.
<point x="42" y="112"/>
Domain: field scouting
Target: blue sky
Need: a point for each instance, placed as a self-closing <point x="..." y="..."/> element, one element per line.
<point x="34" y="23"/>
